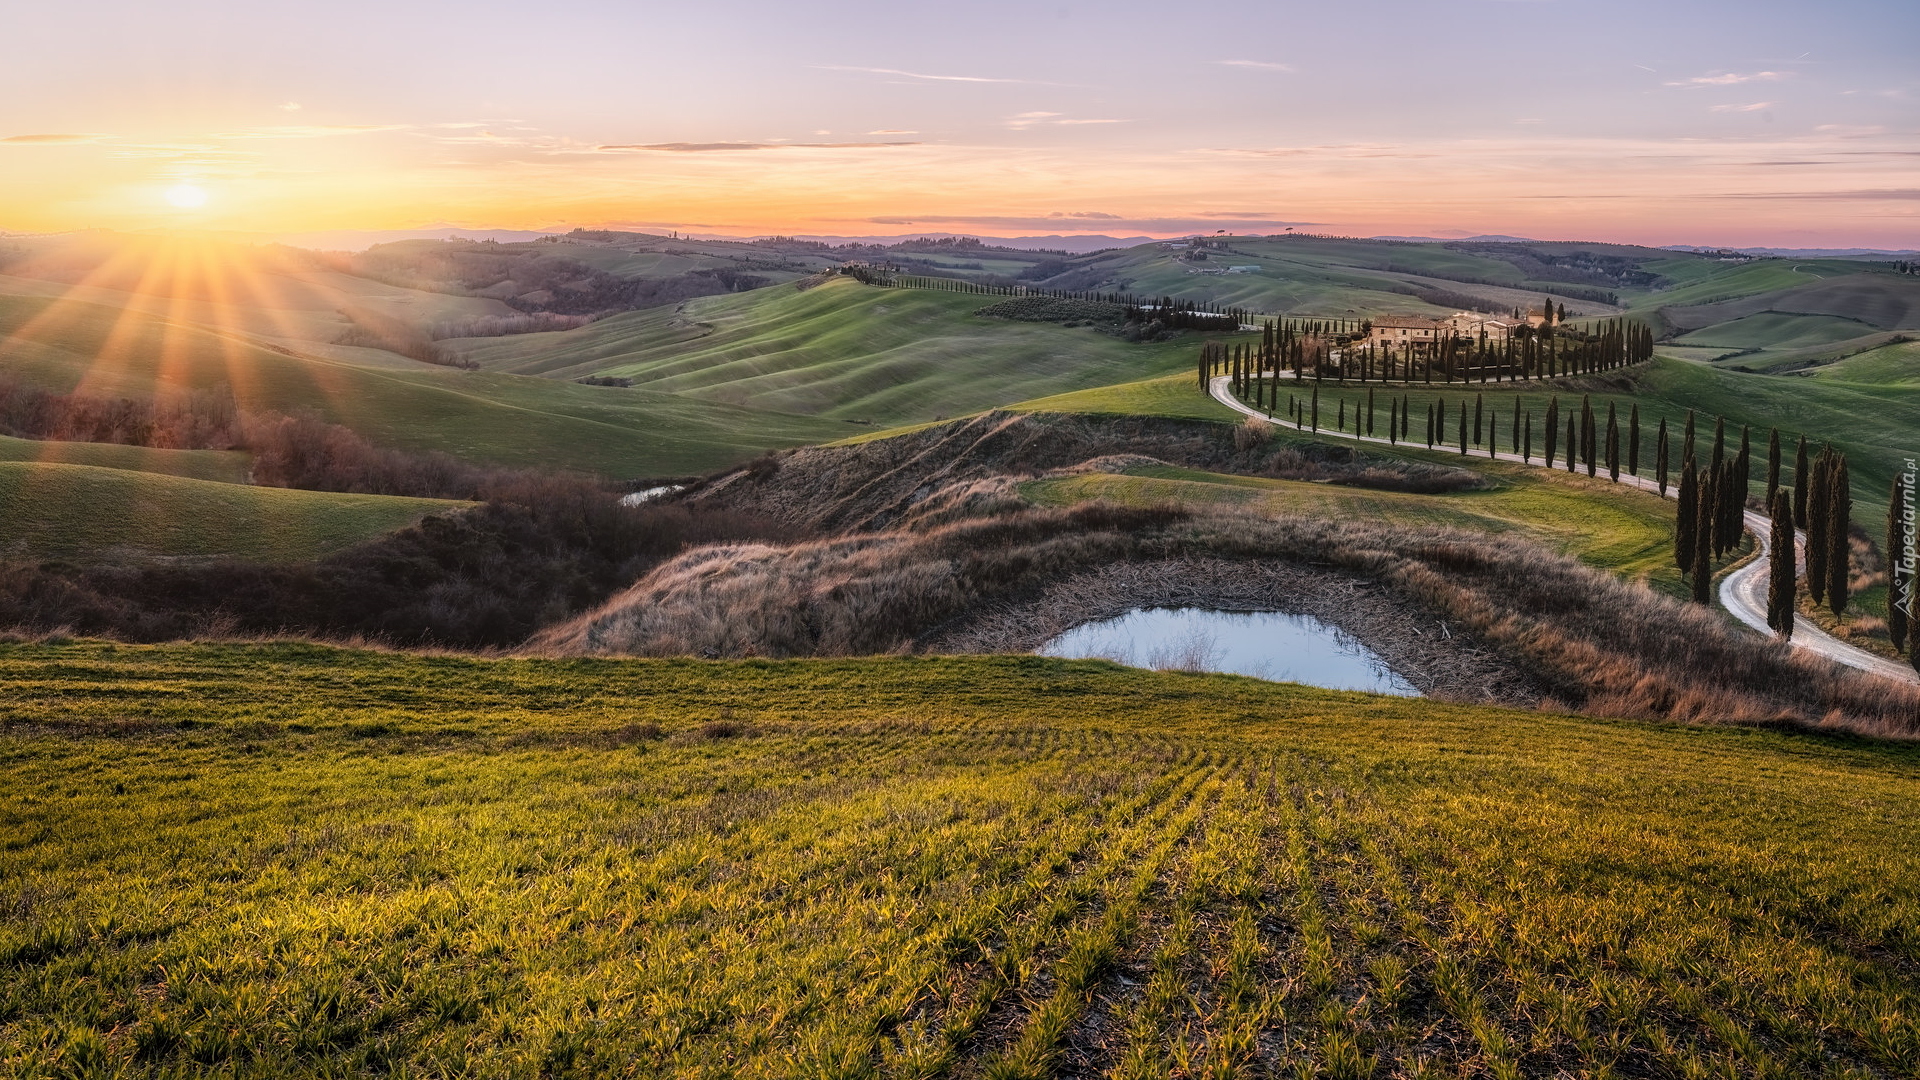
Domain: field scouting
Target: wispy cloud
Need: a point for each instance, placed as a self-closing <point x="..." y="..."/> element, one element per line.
<point x="719" y="147"/>
<point x="51" y="139"/>
<point x="1753" y="107"/>
<point x="917" y="74"/>
<point x="289" y="106"/>
<point x="1262" y="65"/>
<point x="893" y="131"/>
<point x="308" y="131"/>
<point x="1732" y="78"/>
<point x="1025" y="120"/>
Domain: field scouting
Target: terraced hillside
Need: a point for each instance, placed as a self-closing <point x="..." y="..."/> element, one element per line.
<point x="291" y="861"/>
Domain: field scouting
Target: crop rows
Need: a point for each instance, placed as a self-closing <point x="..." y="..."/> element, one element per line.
<point x="865" y="895"/>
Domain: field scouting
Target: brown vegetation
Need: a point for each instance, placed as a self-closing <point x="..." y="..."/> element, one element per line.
<point x="539" y="550"/>
<point x="1587" y="639"/>
<point x="874" y="485"/>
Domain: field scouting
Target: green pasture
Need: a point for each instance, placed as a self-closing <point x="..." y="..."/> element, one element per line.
<point x="481" y="416"/>
<point x="290" y="861"/>
<point x="842" y="350"/>
<point x="52" y="510"/>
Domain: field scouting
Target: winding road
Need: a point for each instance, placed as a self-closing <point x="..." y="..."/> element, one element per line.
<point x="1743" y="592"/>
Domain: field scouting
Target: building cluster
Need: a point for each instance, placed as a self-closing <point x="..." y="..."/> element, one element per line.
<point x="1404" y="331"/>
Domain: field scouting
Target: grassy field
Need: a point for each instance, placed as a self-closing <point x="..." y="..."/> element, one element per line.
<point x="842" y="350"/>
<point x="1169" y="395"/>
<point x="1774" y="331"/>
<point x="1625" y="531"/>
<point x="66" y="345"/>
<point x="226" y="466"/>
<point x="286" y="860"/>
<point x="1895" y="364"/>
<point x="64" y="511"/>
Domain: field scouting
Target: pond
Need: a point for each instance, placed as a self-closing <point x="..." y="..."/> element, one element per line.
<point x="1263" y="644"/>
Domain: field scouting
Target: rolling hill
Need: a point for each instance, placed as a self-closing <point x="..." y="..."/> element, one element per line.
<point x="842" y="350"/>
<point x="81" y="512"/>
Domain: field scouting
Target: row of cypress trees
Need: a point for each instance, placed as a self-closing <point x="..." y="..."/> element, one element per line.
<point x="1712" y="495"/>
<point x="1304" y="348"/>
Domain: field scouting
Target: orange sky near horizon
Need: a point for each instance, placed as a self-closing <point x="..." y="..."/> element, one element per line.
<point x="1720" y="138"/>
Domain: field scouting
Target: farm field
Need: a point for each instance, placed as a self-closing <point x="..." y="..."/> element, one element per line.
<point x="288" y="860"/>
<point x="1624" y="531"/>
<point x="226" y="466"/>
<point x="842" y="350"/>
<point x="79" y="511"/>
<point x="66" y="346"/>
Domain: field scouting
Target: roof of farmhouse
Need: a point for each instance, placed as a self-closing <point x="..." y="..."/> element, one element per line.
<point x="1406" y="322"/>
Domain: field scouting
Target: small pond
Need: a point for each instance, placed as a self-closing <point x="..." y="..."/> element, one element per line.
<point x="1263" y="644"/>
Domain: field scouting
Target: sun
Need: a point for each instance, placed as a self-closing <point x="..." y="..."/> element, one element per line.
<point x="187" y="196"/>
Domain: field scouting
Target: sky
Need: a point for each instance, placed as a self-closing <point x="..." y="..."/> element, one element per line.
<point x="1744" y="124"/>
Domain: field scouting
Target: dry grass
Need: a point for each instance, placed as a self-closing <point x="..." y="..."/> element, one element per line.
<point x="1589" y="640"/>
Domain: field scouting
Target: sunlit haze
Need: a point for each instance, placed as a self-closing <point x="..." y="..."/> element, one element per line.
<point x="1790" y="124"/>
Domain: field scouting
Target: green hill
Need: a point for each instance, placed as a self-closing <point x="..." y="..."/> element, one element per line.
<point x="50" y="510"/>
<point x="289" y="861"/>
<point x="842" y="350"/>
<point x="65" y="345"/>
<point x="226" y="466"/>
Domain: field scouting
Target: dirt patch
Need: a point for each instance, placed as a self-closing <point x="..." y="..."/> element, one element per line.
<point x="1431" y="651"/>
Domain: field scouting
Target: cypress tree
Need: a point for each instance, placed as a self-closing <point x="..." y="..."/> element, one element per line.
<point x="1463" y="429"/>
<point x="1817" y="527"/>
<point x="1440" y="419"/>
<point x="1343" y="415"/>
<point x="1839" y="524"/>
<point x="1477" y="431"/>
<point x="1703" y="542"/>
<point x="1526" y="445"/>
<point x="1589" y="433"/>
<point x="1369" y="411"/>
<point x="1552" y="432"/>
<point x="1684" y="515"/>
<point x="1802" y="484"/>
<point x="1773" y="464"/>
<point x="1429" y="426"/>
<point x="1660" y="457"/>
<point x="1633" y="440"/>
<point x="1493" y="434"/>
<point x="1780" y="576"/>
<point x="1613" y="444"/>
<point x="1393" y="420"/>
<point x="1899" y="585"/>
<point x="1316" y="406"/>
<point x="1686" y="440"/>
<point x="1516" y="423"/>
<point x="1406" y="418"/>
<point x="1573" y="464"/>
<point x="1719" y="445"/>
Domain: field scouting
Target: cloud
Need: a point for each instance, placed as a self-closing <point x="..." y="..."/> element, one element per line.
<point x="1732" y="79"/>
<point x="1263" y="65"/>
<point x="917" y="74"/>
<point x="893" y="131"/>
<point x="289" y="106"/>
<point x="1754" y="107"/>
<point x="308" y="131"/>
<point x="50" y="140"/>
<point x="716" y="147"/>
<point x="1025" y="120"/>
<point x="1862" y="195"/>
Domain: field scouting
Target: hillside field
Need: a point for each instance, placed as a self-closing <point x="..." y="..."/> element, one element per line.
<point x="842" y="350"/>
<point x="68" y="511"/>
<point x="287" y="860"/>
<point x="68" y="345"/>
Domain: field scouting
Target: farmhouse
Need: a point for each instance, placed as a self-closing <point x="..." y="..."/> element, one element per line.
<point x="1404" y="330"/>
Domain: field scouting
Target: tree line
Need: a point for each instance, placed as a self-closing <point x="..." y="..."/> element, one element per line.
<point x="1189" y="314"/>
<point x="1326" y="349"/>
<point x="1712" y="496"/>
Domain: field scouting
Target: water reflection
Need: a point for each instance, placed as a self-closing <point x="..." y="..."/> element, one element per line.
<point x="1263" y="644"/>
